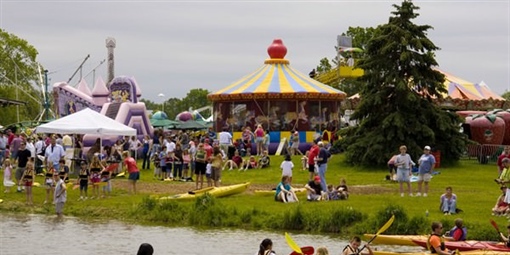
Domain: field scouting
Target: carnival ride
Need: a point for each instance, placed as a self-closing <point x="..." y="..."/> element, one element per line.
<point x="338" y="73"/>
<point x="279" y="98"/>
<point x="118" y="102"/>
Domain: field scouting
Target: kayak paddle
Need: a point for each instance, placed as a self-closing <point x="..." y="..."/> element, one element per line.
<point x="293" y="245"/>
<point x="495" y="225"/>
<point x="382" y="229"/>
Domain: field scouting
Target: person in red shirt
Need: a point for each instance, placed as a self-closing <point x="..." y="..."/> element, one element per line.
<point x="10" y="137"/>
<point x="134" y="173"/>
<point x="505" y="154"/>
<point x="314" y="152"/>
<point x="208" y="149"/>
<point x="457" y="233"/>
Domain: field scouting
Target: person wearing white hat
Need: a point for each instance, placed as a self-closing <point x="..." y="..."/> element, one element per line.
<point x="426" y="166"/>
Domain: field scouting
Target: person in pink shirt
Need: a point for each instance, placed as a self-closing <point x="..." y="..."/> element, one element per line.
<point x="134" y="173"/>
<point x="314" y="152"/>
<point x="259" y="139"/>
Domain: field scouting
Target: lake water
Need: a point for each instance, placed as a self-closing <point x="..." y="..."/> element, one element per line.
<point x="37" y="234"/>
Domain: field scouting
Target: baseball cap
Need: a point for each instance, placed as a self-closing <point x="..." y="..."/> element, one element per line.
<point x="317" y="178"/>
<point x="427" y="148"/>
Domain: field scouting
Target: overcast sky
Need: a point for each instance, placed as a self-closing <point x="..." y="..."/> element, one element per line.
<point x="171" y="47"/>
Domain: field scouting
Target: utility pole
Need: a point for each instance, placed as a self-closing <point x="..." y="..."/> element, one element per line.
<point x="46" y="101"/>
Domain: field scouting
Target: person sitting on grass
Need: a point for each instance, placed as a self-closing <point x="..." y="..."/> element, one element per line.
<point x="501" y="207"/>
<point x="457" y="233"/>
<point x="333" y="194"/>
<point x="264" y="161"/>
<point x="234" y="163"/>
<point x="342" y="189"/>
<point x="284" y="191"/>
<point x="314" y="190"/>
<point x="250" y="163"/>
<point x="448" y="201"/>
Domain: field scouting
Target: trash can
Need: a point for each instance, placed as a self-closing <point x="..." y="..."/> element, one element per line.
<point x="437" y="156"/>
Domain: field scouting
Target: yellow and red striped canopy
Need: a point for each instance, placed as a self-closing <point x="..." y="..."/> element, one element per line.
<point x="276" y="80"/>
<point x="461" y="89"/>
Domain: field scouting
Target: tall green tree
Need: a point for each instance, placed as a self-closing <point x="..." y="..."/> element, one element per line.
<point x="396" y="105"/>
<point x="506" y="95"/>
<point x="324" y="66"/>
<point x="19" y="73"/>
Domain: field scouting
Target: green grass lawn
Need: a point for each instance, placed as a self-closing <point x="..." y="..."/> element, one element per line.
<point x="364" y="211"/>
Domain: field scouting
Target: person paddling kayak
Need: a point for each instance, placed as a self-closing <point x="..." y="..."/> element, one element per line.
<point x="353" y="248"/>
<point x="436" y="240"/>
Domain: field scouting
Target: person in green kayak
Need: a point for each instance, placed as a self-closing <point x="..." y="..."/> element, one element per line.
<point x="353" y="248"/>
<point x="436" y="240"/>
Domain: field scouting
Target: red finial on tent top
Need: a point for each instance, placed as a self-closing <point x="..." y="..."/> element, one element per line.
<point x="277" y="49"/>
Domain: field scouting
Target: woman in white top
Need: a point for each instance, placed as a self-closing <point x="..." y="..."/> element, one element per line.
<point x="287" y="167"/>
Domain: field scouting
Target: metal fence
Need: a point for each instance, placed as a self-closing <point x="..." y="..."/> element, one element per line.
<point x="484" y="153"/>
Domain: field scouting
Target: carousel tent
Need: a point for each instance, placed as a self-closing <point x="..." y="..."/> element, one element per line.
<point x="276" y="79"/>
<point x="280" y="99"/>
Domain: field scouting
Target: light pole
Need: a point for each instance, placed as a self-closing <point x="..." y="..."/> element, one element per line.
<point x="163" y="106"/>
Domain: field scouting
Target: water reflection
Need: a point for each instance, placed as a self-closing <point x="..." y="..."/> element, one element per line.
<point x="36" y="234"/>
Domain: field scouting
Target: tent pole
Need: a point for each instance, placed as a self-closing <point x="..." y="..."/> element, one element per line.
<point x="258" y="106"/>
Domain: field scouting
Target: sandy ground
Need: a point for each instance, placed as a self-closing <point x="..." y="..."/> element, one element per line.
<point x="176" y="187"/>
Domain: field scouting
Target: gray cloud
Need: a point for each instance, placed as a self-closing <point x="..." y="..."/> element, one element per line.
<point x="172" y="47"/>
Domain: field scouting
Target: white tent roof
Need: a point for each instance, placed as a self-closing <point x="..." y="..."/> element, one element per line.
<point x="86" y="121"/>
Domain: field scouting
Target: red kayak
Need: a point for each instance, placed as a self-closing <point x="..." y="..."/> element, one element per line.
<point x="469" y="245"/>
<point x="307" y="250"/>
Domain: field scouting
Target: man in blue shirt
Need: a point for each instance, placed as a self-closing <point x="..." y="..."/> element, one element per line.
<point x="322" y="163"/>
<point x="426" y="162"/>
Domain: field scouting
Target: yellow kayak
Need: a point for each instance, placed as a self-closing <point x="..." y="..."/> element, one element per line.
<point x="396" y="239"/>
<point x="213" y="191"/>
<point x="475" y="252"/>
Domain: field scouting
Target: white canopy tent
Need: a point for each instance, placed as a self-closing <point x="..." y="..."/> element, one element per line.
<point x="86" y="121"/>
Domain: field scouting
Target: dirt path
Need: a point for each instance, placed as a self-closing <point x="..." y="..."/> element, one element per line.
<point x="176" y="187"/>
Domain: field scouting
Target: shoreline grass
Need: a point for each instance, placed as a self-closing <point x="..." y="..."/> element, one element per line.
<point x="371" y="203"/>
